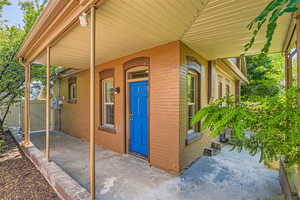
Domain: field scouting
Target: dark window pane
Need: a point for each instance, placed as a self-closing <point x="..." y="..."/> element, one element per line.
<point x="191" y="88"/>
<point x="227" y="90"/>
<point x="191" y="113"/>
<point x="110" y="115"/>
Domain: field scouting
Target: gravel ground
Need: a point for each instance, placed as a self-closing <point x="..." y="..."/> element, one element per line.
<point x="19" y="179"/>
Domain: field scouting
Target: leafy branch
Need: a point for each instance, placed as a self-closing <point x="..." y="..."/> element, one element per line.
<point x="270" y="15"/>
<point x="270" y="127"/>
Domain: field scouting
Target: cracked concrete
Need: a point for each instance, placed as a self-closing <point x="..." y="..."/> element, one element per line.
<point x="229" y="175"/>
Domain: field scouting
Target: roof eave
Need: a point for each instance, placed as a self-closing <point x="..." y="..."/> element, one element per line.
<point x="57" y="17"/>
<point x="237" y="72"/>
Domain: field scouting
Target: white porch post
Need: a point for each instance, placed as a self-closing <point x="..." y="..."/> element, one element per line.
<point x="48" y="106"/>
<point x="92" y="104"/>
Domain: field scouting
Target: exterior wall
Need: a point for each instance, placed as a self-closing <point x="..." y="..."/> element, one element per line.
<point x="167" y="106"/>
<point x="190" y="152"/>
<point x="163" y="103"/>
<point x="225" y="79"/>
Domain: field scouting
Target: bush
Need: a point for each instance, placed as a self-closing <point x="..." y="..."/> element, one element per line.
<point x="272" y="124"/>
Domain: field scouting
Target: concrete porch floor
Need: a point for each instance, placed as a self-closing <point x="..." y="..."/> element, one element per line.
<point x="229" y="175"/>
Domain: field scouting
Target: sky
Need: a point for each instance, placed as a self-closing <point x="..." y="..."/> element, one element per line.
<point x="12" y="13"/>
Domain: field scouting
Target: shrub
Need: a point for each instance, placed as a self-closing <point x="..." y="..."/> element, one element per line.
<point x="270" y="127"/>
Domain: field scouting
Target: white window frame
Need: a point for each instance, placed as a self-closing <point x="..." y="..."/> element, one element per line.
<point x="104" y="103"/>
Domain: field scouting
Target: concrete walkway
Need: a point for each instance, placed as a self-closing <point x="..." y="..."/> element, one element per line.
<point x="227" y="176"/>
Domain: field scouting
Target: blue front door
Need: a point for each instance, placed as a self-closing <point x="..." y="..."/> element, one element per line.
<point x="139" y="131"/>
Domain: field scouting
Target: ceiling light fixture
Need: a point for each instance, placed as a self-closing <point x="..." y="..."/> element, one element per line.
<point x="83" y="20"/>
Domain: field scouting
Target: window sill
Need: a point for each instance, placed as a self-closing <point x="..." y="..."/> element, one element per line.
<point x="193" y="137"/>
<point x="107" y="129"/>
<point x="73" y="101"/>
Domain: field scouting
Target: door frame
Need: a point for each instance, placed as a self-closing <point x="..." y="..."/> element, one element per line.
<point x="127" y="109"/>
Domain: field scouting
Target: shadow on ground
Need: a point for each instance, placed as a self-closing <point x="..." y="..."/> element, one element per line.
<point x="227" y="176"/>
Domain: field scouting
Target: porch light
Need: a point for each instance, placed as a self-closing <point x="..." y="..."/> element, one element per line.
<point x="83" y="20"/>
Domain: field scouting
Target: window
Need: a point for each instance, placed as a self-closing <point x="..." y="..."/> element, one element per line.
<point x="108" y="105"/>
<point x="220" y="89"/>
<point x="227" y="90"/>
<point x="193" y="98"/>
<point x="107" y="101"/>
<point x="72" y="82"/>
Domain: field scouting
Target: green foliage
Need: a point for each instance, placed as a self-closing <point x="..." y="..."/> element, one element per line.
<point x="32" y="10"/>
<point x="274" y="123"/>
<point x="2" y="4"/>
<point x="265" y="76"/>
<point x="270" y="15"/>
<point x="11" y="70"/>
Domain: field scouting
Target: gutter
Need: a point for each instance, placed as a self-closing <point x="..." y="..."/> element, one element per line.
<point x="233" y="68"/>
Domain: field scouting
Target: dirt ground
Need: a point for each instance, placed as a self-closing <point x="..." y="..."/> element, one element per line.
<point x="19" y="179"/>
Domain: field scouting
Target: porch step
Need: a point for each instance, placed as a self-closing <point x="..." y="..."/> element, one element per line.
<point x="216" y="145"/>
<point x="210" y="152"/>
<point x="214" y="149"/>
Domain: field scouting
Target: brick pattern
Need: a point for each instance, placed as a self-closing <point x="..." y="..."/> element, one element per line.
<point x="139" y="61"/>
<point x="192" y="151"/>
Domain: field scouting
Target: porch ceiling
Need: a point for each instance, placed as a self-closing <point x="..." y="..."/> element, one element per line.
<point x="213" y="28"/>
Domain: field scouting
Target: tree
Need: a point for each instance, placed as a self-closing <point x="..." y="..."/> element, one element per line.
<point x="2" y="4"/>
<point x="31" y="10"/>
<point x="11" y="70"/>
<point x="265" y="76"/>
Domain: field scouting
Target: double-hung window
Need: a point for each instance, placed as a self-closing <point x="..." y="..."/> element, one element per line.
<point x="227" y="90"/>
<point x="220" y="89"/>
<point x="193" y="98"/>
<point x="107" y="100"/>
<point x="72" y="82"/>
<point x="108" y="103"/>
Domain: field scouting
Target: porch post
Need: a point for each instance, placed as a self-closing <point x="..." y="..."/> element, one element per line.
<point x="288" y="71"/>
<point x="92" y="104"/>
<point x="238" y="90"/>
<point x="298" y="83"/>
<point x="28" y="103"/>
<point x="209" y="82"/>
<point x="26" y="106"/>
<point x="48" y="105"/>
